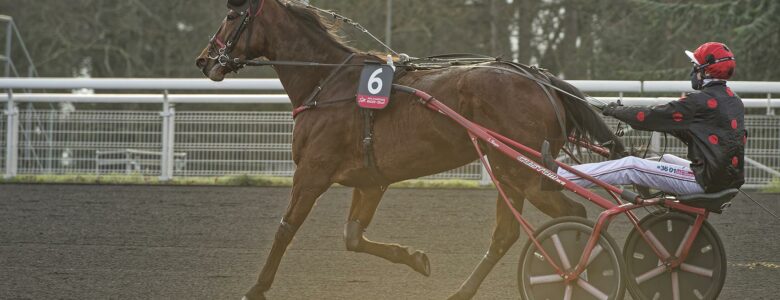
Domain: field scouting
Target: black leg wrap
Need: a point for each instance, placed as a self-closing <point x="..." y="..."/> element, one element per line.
<point x="353" y="236"/>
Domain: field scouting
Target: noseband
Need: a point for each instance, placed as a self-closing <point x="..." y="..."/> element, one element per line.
<point x="224" y="48"/>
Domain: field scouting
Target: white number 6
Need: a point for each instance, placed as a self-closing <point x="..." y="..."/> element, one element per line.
<point x="375" y="81"/>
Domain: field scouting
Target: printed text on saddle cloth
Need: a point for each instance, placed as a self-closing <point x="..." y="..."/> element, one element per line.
<point x="376" y="82"/>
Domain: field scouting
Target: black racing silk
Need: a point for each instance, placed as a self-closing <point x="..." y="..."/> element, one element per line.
<point x="711" y="122"/>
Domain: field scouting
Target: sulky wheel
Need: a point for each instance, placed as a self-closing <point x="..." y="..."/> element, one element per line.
<point x="702" y="274"/>
<point x="564" y="240"/>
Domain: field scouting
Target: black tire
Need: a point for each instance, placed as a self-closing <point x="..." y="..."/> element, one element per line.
<point x="605" y="272"/>
<point x="707" y="256"/>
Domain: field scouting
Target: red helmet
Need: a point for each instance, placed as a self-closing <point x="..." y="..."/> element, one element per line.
<point x="716" y="59"/>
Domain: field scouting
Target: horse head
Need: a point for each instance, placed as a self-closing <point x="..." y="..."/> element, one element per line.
<point x="239" y="37"/>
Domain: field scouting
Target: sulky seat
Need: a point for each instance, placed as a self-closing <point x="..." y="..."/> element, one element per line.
<point x="714" y="202"/>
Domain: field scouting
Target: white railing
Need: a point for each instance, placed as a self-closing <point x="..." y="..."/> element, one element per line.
<point x="224" y="143"/>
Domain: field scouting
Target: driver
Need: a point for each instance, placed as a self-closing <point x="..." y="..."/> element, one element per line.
<point x="709" y="121"/>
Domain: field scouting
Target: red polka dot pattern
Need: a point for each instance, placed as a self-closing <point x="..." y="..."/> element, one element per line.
<point x="677" y="116"/>
<point x="712" y="103"/>
<point x="734" y="124"/>
<point x="713" y="139"/>
<point x="735" y="161"/>
<point x="728" y="91"/>
<point x="640" y="116"/>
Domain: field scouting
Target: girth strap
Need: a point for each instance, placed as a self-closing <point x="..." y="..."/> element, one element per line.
<point x="369" y="161"/>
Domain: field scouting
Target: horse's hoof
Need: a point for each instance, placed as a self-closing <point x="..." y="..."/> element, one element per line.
<point x="461" y="295"/>
<point x="261" y="297"/>
<point x="256" y="293"/>
<point x="421" y="263"/>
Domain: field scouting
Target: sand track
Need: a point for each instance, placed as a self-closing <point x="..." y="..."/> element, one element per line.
<point x="132" y="242"/>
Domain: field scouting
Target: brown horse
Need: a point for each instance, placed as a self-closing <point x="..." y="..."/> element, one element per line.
<point x="409" y="140"/>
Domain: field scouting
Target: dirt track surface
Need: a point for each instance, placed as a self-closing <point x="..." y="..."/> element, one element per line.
<point x="124" y="242"/>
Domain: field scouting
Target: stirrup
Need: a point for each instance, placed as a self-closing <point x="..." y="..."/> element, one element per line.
<point x="549" y="163"/>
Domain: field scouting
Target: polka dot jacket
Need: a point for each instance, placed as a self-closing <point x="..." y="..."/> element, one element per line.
<point x="711" y="122"/>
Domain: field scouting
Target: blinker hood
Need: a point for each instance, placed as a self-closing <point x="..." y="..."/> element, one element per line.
<point x="238" y="5"/>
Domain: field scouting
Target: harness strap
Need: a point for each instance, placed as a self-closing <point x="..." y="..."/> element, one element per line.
<point x="311" y="100"/>
<point x="542" y="84"/>
<point x="368" y="149"/>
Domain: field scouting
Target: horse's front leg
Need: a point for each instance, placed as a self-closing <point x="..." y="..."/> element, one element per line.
<point x="505" y="234"/>
<point x="364" y="204"/>
<point x="308" y="185"/>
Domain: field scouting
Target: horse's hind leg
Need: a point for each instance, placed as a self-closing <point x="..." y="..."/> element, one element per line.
<point x="505" y="234"/>
<point x="364" y="204"/>
<point x="308" y="185"/>
<point x="554" y="203"/>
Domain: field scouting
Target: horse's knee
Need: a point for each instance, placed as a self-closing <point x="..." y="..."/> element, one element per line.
<point x="503" y="239"/>
<point x="353" y="236"/>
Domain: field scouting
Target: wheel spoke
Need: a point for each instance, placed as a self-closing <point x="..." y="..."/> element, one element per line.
<point x="561" y="253"/>
<point x="698" y="294"/>
<point x="592" y="290"/>
<point x="665" y="239"/>
<point x="696" y="270"/>
<point x="534" y="280"/>
<point x="657" y="244"/>
<point x="567" y="293"/>
<point x="682" y="243"/>
<point x="675" y="286"/>
<point x="596" y="251"/>
<point x="650" y="274"/>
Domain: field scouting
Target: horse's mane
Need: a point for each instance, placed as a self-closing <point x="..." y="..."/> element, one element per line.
<point x="314" y="20"/>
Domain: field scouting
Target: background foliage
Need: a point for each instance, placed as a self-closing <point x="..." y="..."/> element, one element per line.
<point x="578" y="39"/>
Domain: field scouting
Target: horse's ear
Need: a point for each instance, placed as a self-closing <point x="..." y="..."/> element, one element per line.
<point x="238" y="5"/>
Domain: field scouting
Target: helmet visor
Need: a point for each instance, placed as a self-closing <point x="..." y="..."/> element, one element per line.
<point x="692" y="57"/>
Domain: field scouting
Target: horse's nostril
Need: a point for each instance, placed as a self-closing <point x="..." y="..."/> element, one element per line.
<point x="200" y="62"/>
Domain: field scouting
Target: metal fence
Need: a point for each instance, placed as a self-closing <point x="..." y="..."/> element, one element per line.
<point x="56" y="142"/>
<point x="169" y="143"/>
<point x="129" y="142"/>
<point x="256" y="143"/>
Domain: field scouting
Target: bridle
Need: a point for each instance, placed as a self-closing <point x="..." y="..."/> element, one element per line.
<point x="224" y="48"/>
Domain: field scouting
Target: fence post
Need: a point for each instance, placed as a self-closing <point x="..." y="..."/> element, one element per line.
<point x="166" y="155"/>
<point x="171" y="141"/>
<point x="8" y="43"/>
<point x="12" y="138"/>
<point x="769" y="110"/>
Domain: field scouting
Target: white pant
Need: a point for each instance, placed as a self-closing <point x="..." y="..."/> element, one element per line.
<point x="672" y="174"/>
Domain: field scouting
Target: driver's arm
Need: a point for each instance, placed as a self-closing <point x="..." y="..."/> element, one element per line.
<point x="673" y="116"/>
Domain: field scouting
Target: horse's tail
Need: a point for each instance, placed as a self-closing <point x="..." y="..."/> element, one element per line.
<point x="584" y="121"/>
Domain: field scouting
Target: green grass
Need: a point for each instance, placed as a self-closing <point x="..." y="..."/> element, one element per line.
<point x="773" y="187"/>
<point x="239" y="180"/>
<point x="248" y="180"/>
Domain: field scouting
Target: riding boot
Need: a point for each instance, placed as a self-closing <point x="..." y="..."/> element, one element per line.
<point x="549" y="163"/>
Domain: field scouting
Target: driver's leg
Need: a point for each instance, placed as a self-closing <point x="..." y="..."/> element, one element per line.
<point x="675" y="160"/>
<point x="666" y="177"/>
